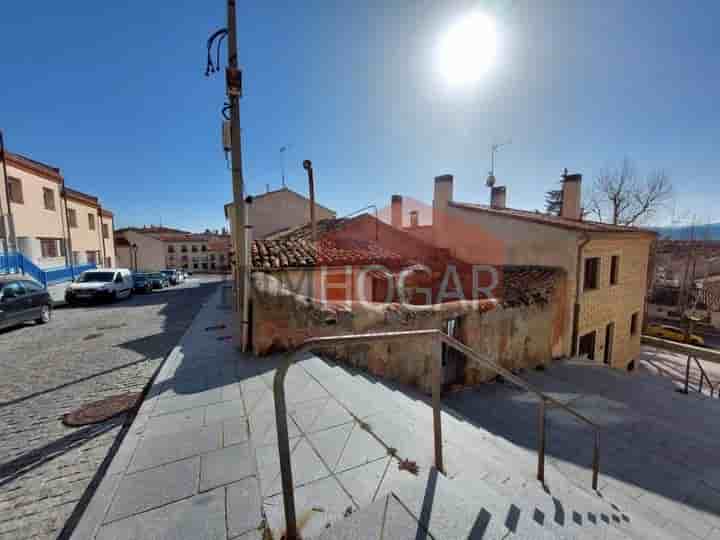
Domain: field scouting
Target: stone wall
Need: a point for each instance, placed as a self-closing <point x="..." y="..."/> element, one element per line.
<point x="515" y="337"/>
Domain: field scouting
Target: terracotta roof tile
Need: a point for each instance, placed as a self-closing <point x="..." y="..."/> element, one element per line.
<point x="295" y="249"/>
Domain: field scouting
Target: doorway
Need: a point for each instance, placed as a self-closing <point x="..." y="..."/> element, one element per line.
<point x="609" y="339"/>
<point x="453" y="361"/>
<point x="587" y="345"/>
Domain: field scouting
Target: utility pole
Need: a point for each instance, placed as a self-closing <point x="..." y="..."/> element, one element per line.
<point x="233" y="80"/>
<point x="9" y="238"/>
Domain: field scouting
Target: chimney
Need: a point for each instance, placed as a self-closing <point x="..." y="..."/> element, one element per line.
<point x="414" y="218"/>
<point x="442" y="196"/>
<point x="497" y="196"/>
<point x="396" y="212"/>
<point x="571" y="193"/>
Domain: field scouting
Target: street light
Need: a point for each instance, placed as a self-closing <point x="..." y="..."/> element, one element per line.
<point x="135" y="250"/>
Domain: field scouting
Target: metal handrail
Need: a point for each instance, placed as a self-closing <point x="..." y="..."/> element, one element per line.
<point x="291" y="532"/>
<point x="703" y="375"/>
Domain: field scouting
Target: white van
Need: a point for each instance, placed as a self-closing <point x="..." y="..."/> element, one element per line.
<point x="100" y="284"/>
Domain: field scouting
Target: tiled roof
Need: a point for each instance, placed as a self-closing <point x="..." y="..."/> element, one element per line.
<point x="192" y="237"/>
<point x="523" y="285"/>
<point x="34" y="165"/>
<point x="153" y="229"/>
<point x="553" y="221"/>
<point x="295" y="249"/>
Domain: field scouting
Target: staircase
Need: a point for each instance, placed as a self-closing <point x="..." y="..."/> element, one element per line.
<point x="489" y="489"/>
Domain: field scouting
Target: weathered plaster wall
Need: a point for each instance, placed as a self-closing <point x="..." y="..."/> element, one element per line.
<point x="519" y="337"/>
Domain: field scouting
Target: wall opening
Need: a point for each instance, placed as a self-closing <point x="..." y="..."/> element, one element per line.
<point x="609" y="338"/>
<point x="587" y="345"/>
<point x="453" y="361"/>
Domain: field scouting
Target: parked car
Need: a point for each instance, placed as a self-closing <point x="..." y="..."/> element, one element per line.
<point x="158" y="280"/>
<point x="171" y="275"/>
<point x="673" y="333"/>
<point x="23" y="300"/>
<point x="141" y="283"/>
<point x="104" y="284"/>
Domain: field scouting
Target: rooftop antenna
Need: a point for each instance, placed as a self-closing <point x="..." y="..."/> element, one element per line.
<point x="490" y="182"/>
<point x="283" y="149"/>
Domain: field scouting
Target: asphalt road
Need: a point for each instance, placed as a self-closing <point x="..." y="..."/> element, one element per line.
<point x="82" y="355"/>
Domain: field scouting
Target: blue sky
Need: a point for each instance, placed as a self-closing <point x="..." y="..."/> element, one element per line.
<point x="114" y="94"/>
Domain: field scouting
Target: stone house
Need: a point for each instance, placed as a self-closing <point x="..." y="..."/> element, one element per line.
<point x="606" y="265"/>
<point x="359" y="276"/>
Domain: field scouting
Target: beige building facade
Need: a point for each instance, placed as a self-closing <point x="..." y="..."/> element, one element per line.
<point x="54" y="226"/>
<point x="157" y="248"/>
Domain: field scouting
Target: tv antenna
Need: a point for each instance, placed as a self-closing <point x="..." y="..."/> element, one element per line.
<point x="490" y="182"/>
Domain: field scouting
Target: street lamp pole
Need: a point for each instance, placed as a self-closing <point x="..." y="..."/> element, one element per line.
<point x="134" y="248"/>
<point x="233" y="79"/>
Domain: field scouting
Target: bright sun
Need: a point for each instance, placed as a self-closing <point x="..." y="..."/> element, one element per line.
<point x="467" y="50"/>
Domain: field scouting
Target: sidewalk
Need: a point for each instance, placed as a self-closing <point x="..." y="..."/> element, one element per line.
<point x="201" y="460"/>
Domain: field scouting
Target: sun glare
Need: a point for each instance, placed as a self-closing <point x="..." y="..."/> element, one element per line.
<point x="467" y="50"/>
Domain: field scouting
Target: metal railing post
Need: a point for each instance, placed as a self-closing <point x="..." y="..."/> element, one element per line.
<point x="687" y="375"/>
<point x="284" y="448"/>
<point x="541" y="442"/>
<point x="596" y="461"/>
<point x="436" y="374"/>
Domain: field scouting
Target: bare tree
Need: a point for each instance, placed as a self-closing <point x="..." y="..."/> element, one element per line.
<point x="619" y="196"/>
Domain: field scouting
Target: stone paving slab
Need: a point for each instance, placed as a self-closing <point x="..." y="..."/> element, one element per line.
<point x="153" y="488"/>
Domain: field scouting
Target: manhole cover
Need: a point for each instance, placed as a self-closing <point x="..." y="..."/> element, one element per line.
<point x="99" y="411"/>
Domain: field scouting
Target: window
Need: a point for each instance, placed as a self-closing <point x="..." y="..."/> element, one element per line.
<point x="614" y="269"/>
<point x="634" y="323"/>
<point x="194" y="249"/>
<point x="106" y="230"/>
<point x="15" y="187"/>
<point x="183" y="249"/>
<point x="91" y="257"/>
<point x="592" y="270"/>
<point x="212" y="256"/>
<point x="49" y="198"/>
<point x="31" y="286"/>
<point x="195" y="265"/>
<point x="11" y="290"/>
<point x="203" y="248"/>
<point x="48" y="247"/>
<point x="61" y="243"/>
<point x="171" y="249"/>
<point x="91" y="222"/>
<point x="72" y="218"/>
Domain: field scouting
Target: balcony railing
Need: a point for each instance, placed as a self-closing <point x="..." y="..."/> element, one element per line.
<point x="17" y="263"/>
<point x="436" y="371"/>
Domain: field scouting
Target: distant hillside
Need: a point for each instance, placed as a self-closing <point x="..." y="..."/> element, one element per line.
<point x="702" y="232"/>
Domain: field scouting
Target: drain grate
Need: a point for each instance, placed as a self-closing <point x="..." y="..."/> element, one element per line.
<point x="99" y="411"/>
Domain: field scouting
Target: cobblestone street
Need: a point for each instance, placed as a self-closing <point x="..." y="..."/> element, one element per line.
<point x="82" y="355"/>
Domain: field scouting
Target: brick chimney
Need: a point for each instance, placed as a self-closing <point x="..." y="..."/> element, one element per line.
<point x="396" y="212"/>
<point x="497" y="197"/>
<point x="442" y="196"/>
<point x="414" y="218"/>
<point x="571" y="194"/>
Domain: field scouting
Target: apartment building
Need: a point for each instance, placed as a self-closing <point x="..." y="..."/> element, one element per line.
<point x="50" y="224"/>
<point x="155" y="248"/>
